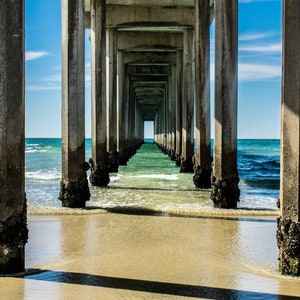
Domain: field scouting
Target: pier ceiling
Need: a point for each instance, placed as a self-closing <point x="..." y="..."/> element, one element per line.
<point x="149" y="82"/>
<point x="168" y="3"/>
<point x="120" y="12"/>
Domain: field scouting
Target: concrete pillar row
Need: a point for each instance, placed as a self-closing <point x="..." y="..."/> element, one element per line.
<point x="202" y="158"/>
<point x="74" y="190"/>
<point x="288" y="224"/>
<point x="187" y="150"/>
<point x="13" y="216"/>
<point x="225" y="191"/>
<point x="99" y="161"/>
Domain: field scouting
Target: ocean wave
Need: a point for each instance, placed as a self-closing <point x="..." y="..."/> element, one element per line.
<point x="43" y="175"/>
<point x="262" y="183"/>
<point x="35" y="151"/>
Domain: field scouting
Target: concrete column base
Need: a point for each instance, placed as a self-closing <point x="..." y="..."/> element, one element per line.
<point x="113" y="165"/>
<point x="288" y="242"/>
<point x="13" y="237"/>
<point x="99" y="173"/>
<point x="75" y="194"/>
<point x="202" y="177"/>
<point x="178" y="159"/>
<point x="186" y="165"/>
<point x="225" y="193"/>
<point x="172" y="155"/>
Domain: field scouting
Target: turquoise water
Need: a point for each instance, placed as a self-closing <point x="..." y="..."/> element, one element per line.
<point x="151" y="180"/>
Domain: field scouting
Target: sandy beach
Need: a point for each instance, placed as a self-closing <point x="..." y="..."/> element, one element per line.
<point x="126" y="256"/>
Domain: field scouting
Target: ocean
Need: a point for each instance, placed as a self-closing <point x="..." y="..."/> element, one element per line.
<point x="151" y="181"/>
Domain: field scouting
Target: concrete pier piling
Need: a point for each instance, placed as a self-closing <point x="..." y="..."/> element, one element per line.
<point x="225" y="191"/>
<point x="13" y="217"/>
<point x="187" y="150"/>
<point x="202" y="158"/>
<point x="288" y="230"/>
<point x="99" y="161"/>
<point x="74" y="190"/>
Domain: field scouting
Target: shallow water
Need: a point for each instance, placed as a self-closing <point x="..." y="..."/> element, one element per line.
<point x="152" y="181"/>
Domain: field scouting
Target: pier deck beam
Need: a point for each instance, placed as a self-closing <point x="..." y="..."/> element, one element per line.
<point x="202" y="158"/>
<point x="13" y="218"/>
<point x="225" y="191"/>
<point x="74" y="190"/>
<point x="99" y="162"/>
<point x="288" y="231"/>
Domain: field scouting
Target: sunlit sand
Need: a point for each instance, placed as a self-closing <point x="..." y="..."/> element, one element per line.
<point x="131" y="256"/>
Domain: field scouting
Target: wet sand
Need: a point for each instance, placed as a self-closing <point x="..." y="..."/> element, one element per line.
<point x="128" y="256"/>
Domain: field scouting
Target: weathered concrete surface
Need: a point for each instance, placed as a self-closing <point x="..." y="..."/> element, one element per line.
<point x="288" y="231"/>
<point x="225" y="192"/>
<point x="13" y="218"/>
<point x="99" y="162"/>
<point x="178" y="107"/>
<point x="187" y="150"/>
<point x="112" y="101"/>
<point x="202" y="159"/>
<point x="74" y="185"/>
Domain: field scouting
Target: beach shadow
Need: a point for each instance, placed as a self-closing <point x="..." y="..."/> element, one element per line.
<point x="155" y="287"/>
<point x="144" y="211"/>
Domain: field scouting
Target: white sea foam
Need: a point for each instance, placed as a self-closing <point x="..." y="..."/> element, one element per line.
<point x="159" y="176"/>
<point x="116" y="177"/>
<point x="35" y="150"/>
<point x="43" y="175"/>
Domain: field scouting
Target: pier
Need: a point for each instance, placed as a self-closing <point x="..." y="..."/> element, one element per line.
<point x="150" y="61"/>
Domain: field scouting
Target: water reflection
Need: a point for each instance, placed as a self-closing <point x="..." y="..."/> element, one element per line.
<point x="132" y="252"/>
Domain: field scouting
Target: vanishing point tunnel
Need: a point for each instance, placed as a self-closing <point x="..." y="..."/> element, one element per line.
<point x="149" y="62"/>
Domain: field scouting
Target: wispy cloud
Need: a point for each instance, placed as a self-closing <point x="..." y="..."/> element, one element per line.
<point x="250" y="1"/>
<point x="46" y="87"/>
<point x="269" y="48"/>
<point x="253" y="72"/>
<point x="250" y="36"/>
<point x="31" y="55"/>
<point x="250" y="72"/>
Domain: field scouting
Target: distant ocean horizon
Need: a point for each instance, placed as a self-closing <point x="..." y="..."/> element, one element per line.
<point x="151" y="180"/>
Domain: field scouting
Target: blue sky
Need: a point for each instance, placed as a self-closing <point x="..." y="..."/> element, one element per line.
<point x="259" y="69"/>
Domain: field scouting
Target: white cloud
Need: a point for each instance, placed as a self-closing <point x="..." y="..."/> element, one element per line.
<point x="33" y="88"/>
<point x="255" y="36"/>
<point x="250" y="1"/>
<point x="253" y="72"/>
<point x="271" y="48"/>
<point x="250" y="72"/>
<point x="31" y="55"/>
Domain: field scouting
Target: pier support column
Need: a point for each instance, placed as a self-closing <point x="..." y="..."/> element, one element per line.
<point x="178" y="108"/>
<point x="74" y="190"/>
<point x="122" y="113"/>
<point x="172" y="115"/>
<point x="99" y="162"/>
<point x="202" y="158"/>
<point x="13" y="217"/>
<point x="187" y="152"/>
<point x="112" y="102"/>
<point x="225" y="191"/>
<point x="288" y="231"/>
